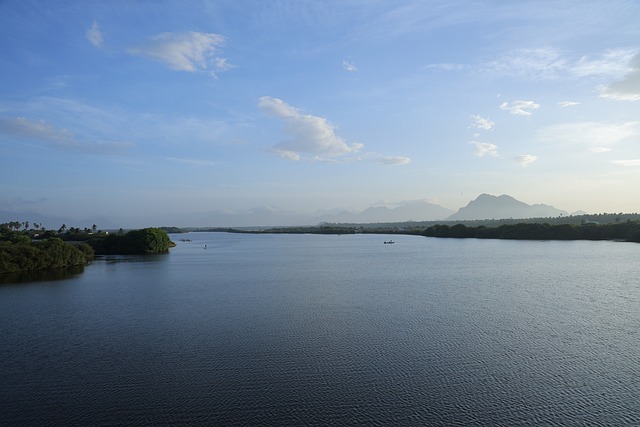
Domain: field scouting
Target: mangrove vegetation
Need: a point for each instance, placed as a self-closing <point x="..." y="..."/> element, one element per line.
<point x="145" y="241"/>
<point x="30" y="247"/>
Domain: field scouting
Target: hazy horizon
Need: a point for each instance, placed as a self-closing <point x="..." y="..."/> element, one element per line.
<point x="132" y="109"/>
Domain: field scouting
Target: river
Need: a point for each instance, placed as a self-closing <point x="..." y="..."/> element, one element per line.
<point x="330" y="330"/>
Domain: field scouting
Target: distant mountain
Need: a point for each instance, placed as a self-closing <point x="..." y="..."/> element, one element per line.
<point x="418" y="210"/>
<point x="487" y="206"/>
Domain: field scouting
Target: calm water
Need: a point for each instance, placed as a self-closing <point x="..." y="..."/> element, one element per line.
<point x="330" y="330"/>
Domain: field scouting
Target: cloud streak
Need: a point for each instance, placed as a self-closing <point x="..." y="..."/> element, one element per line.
<point x="193" y="162"/>
<point x="548" y="63"/>
<point x="190" y="51"/>
<point x="598" y="135"/>
<point x="394" y="160"/>
<point x="627" y="163"/>
<point x="40" y="131"/>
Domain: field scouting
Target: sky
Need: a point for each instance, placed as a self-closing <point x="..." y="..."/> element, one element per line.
<point x="149" y="110"/>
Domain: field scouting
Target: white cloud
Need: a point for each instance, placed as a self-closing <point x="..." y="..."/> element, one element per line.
<point x="191" y="51"/>
<point x="309" y="134"/>
<point x="94" y="35"/>
<point x="599" y="149"/>
<point x="628" y="163"/>
<point x="525" y="159"/>
<point x="519" y="108"/>
<point x="349" y="66"/>
<point x="564" y="104"/>
<point x="482" y="123"/>
<point x="595" y="134"/>
<point x="485" y="149"/>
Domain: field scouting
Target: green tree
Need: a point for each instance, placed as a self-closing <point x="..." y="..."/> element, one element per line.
<point x="145" y="241"/>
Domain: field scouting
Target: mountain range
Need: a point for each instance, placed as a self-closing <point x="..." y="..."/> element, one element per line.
<point x="485" y="206"/>
<point x="417" y="210"/>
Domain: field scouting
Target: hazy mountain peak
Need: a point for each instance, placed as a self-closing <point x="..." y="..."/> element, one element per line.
<point x="487" y="206"/>
<point x="413" y="210"/>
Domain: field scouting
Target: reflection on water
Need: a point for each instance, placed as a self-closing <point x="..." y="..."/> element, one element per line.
<point x="117" y="259"/>
<point x="70" y="272"/>
<point x="41" y="275"/>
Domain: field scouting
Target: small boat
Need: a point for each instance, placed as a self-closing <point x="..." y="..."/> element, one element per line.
<point x="390" y="242"/>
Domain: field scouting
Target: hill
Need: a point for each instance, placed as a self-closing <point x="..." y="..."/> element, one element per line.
<point x="487" y="206"/>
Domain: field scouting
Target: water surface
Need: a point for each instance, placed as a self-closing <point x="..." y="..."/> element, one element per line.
<point x="330" y="330"/>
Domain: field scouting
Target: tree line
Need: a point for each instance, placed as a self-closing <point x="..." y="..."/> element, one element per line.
<point x="27" y="249"/>
<point x="627" y="231"/>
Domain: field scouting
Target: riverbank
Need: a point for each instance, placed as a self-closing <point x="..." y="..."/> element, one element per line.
<point x="628" y="231"/>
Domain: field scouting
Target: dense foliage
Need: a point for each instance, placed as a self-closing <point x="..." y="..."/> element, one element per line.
<point x="20" y="254"/>
<point x="629" y="231"/>
<point x="145" y="241"/>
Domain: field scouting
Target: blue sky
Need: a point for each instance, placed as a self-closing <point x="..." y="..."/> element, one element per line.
<point x="148" y="110"/>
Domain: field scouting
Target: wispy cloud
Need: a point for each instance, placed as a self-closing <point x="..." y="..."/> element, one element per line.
<point x="308" y="134"/>
<point x="447" y="66"/>
<point x="22" y="127"/>
<point x="349" y="66"/>
<point x="190" y="51"/>
<point x="565" y="104"/>
<point x="612" y="63"/>
<point x="519" y="108"/>
<point x="193" y="162"/>
<point x="627" y="163"/>
<point x="525" y="159"/>
<point x="594" y="134"/>
<point x="599" y="149"/>
<point x="482" y="123"/>
<point x="483" y="149"/>
<point x="394" y="160"/>
<point x="539" y="63"/>
<point x="40" y="131"/>
<point x="551" y="63"/>
<point x="94" y="35"/>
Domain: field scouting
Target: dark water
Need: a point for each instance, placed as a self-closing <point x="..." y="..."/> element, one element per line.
<point x="330" y="330"/>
